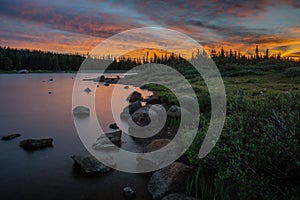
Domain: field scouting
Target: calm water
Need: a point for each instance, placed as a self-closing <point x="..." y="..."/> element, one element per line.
<point x="28" y="109"/>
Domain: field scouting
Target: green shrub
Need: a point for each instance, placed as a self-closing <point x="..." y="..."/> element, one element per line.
<point x="292" y="72"/>
<point x="259" y="146"/>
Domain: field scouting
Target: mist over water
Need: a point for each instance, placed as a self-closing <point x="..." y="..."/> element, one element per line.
<point x="27" y="108"/>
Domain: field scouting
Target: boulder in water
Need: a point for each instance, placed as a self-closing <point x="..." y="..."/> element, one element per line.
<point x="36" y="143"/>
<point x="10" y="137"/>
<point x="134" y="96"/>
<point x="81" y="111"/>
<point x="90" y="164"/>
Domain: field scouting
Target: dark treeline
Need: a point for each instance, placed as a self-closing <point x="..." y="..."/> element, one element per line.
<point x="223" y="56"/>
<point x="16" y="59"/>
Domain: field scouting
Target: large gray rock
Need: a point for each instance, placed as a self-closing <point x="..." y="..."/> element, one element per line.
<point x="172" y="179"/>
<point x="103" y="141"/>
<point x="36" y="143"/>
<point x="10" y="137"/>
<point x="90" y="164"/>
<point x="141" y="117"/>
<point x="178" y="196"/>
<point x="134" y="96"/>
<point x="81" y="111"/>
<point x="134" y="107"/>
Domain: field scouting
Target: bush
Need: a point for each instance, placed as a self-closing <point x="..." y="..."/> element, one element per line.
<point x="259" y="147"/>
<point x="292" y="72"/>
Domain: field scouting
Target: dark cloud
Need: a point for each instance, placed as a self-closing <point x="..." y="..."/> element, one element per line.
<point x="214" y="21"/>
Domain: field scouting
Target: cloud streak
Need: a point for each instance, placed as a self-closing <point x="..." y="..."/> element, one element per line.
<point x="64" y="25"/>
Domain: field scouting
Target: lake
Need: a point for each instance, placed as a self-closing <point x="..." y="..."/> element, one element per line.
<point x="27" y="108"/>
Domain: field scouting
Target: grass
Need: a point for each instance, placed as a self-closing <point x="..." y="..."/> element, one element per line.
<point x="259" y="148"/>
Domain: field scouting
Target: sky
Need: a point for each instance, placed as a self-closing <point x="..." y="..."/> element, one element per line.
<point x="71" y="26"/>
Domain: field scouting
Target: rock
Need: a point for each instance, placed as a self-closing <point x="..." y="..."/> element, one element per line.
<point x="10" y="137"/>
<point x="112" y="80"/>
<point x="106" y="84"/>
<point x="23" y="71"/>
<point x="102" y="143"/>
<point x="134" y="96"/>
<point x="87" y="90"/>
<point x="128" y="193"/>
<point x="51" y="79"/>
<point x="174" y="111"/>
<point x="134" y="107"/>
<point x="140" y="118"/>
<point x="113" y="126"/>
<point x="154" y="99"/>
<point x="36" y="143"/>
<point x="178" y="196"/>
<point x="81" y="111"/>
<point x="97" y="85"/>
<point x="126" y="87"/>
<point x="124" y="116"/>
<point x="90" y="164"/>
<point x="143" y="87"/>
<point x="101" y="79"/>
<point x="172" y="179"/>
<point x="49" y="92"/>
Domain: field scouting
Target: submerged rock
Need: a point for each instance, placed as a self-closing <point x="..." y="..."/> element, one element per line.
<point x="128" y="193"/>
<point x="81" y="111"/>
<point x="36" y="143"/>
<point x="90" y="164"/>
<point x="10" y="137"/>
<point x="172" y="179"/>
<point x="87" y="90"/>
<point x="51" y="79"/>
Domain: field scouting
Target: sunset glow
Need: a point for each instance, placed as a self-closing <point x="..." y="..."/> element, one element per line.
<point x="78" y="26"/>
